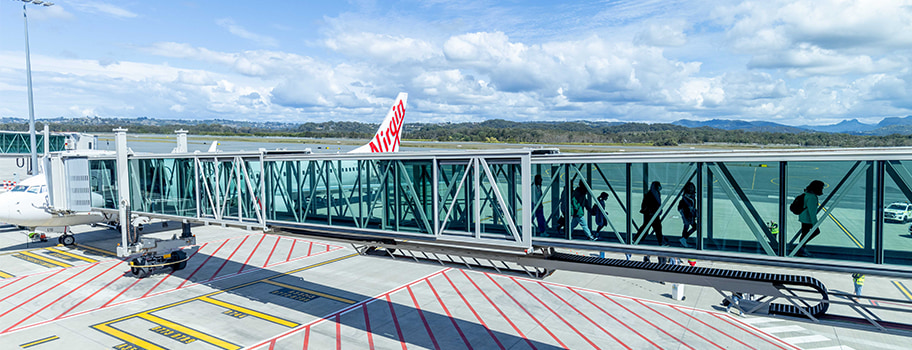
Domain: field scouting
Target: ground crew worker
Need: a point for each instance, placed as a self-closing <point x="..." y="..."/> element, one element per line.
<point x="858" y="279"/>
<point x="774" y="228"/>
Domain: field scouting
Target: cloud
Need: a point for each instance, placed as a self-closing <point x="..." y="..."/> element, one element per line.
<point x="240" y="32"/>
<point x="666" y="34"/>
<point x="96" y="7"/>
<point x="384" y="48"/>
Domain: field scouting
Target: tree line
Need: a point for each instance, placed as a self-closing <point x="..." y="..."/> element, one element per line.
<point x="497" y="130"/>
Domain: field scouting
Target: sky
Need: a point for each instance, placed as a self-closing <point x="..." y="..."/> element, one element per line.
<point x="803" y="62"/>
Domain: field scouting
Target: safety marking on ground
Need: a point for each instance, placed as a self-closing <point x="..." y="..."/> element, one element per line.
<point x="6" y="275"/>
<point x="106" y="285"/>
<point x="108" y="328"/>
<point x="64" y="255"/>
<point x="185" y="334"/>
<point x="40" y="260"/>
<point x="902" y="289"/>
<point x="241" y="312"/>
<point x="39" y="341"/>
<point x="306" y="291"/>
<point x="846" y="231"/>
<point x="505" y="306"/>
<point x="99" y="251"/>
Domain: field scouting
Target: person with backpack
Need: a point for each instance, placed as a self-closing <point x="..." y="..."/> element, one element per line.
<point x="578" y="211"/>
<point x="688" y="209"/>
<point x="650" y="208"/>
<point x="808" y="214"/>
<point x="600" y="219"/>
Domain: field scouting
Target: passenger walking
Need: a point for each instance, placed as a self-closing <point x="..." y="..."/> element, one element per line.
<point x="650" y="208"/>
<point x="808" y="216"/>
<point x="858" y="280"/>
<point x="600" y="219"/>
<point x="578" y="211"/>
<point x="688" y="209"/>
<point x="540" y="210"/>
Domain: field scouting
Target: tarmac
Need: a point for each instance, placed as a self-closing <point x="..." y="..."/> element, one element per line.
<point x="247" y="289"/>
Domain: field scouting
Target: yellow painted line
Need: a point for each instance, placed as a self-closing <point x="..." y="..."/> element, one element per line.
<point x="39" y="341"/>
<point x="189" y="331"/>
<point x="902" y="288"/>
<point x="97" y="250"/>
<point x="48" y="260"/>
<point x="74" y="256"/>
<point x="846" y="231"/>
<point x="5" y="275"/>
<point x="106" y="328"/>
<point x="250" y="312"/>
<point x="127" y="337"/>
<point x="333" y="297"/>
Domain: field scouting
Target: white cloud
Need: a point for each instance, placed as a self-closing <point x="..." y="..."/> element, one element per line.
<point x="380" y="47"/>
<point x="97" y="7"/>
<point x="243" y="33"/>
<point x="665" y="34"/>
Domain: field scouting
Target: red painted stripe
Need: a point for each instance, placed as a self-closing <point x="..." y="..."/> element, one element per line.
<point x="293" y="242"/>
<point x="119" y="294"/>
<point x="707" y="325"/>
<point x="252" y="252"/>
<point x="82" y="285"/>
<point x="327" y="247"/>
<point x="169" y="274"/>
<point x="229" y="257"/>
<point x="201" y="265"/>
<point x="645" y="320"/>
<point x="396" y="322"/>
<point x="306" y="337"/>
<point x="527" y="312"/>
<point x="559" y="316"/>
<point x="13" y="281"/>
<point x="764" y="333"/>
<point x="31" y="285"/>
<point x="477" y="317"/>
<point x="348" y="309"/>
<point x="338" y="332"/>
<point x="40" y="294"/>
<point x="574" y="309"/>
<point x="614" y="318"/>
<point x="272" y="251"/>
<point x="685" y="327"/>
<point x="90" y="296"/>
<point x="447" y="311"/>
<point x="423" y="320"/>
<point x="309" y="248"/>
<point x="502" y="314"/>
<point x="749" y="332"/>
<point x="367" y="327"/>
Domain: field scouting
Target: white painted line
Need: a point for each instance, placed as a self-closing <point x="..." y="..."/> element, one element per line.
<point x="840" y="347"/>
<point x="783" y="329"/>
<point x="758" y="320"/>
<point x="805" y="339"/>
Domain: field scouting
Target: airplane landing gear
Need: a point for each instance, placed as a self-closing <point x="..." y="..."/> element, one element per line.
<point x="67" y="239"/>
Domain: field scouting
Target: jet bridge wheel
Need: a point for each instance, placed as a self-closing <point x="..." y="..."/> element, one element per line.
<point x="138" y="269"/>
<point x="178" y="260"/>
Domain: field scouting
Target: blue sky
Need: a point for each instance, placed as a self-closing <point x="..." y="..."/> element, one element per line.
<point x="792" y="62"/>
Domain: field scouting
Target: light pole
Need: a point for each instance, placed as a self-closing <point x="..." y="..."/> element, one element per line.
<point x="28" y="73"/>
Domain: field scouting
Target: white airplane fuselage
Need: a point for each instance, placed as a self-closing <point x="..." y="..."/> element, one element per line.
<point x="27" y="205"/>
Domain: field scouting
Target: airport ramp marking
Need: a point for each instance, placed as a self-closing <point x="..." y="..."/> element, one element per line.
<point x="6" y="275"/>
<point x="250" y="312"/>
<point x="845" y="230"/>
<point x="71" y="255"/>
<point x="39" y="342"/>
<point x="328" y="296"/>
<point x="558" y="300"/>
<point x="106" y="253"/>
<point x="902" y="289"/>
<point x="107" y="328"/>
<point x="189" y="331"/>
<point x="40" y="260"/>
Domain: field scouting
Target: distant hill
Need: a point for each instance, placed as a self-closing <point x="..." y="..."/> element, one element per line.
<point x="752" y="126"/>
<point x="852" y="126"/>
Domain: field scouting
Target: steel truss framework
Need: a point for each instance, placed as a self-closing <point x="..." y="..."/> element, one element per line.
<point x="478" y="199"/>
<point x="18" y="142"/>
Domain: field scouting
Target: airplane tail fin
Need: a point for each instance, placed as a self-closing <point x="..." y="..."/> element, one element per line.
<point x="213" y="147"/>
<point x="387" y="137"/>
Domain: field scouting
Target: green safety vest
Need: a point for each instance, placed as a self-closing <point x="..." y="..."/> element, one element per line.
<point x="858" y="279"/>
